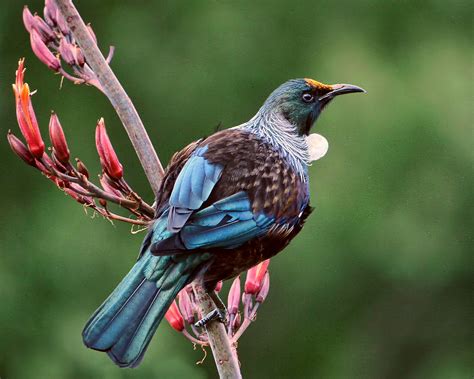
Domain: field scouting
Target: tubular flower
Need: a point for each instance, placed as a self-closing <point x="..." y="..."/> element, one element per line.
<point x="237" y="321"/>
<point x="174" y="318"/>
<point x="91" y="32"/>
<point x="233" y="299"/>
<point x="50" y="12"/>
<point x="66" y="51"/>
<point x="52" y="40"/>
<point x="20" y="149"/>
<point x="57" y="167"/>
<point x="26" y="115"/>
<point x="108" y="157"/>
<point x="78" y="56"/>
<point x="56" y="134"/>
<point x="86" y="200"/>
<point x="42" y="52"/>
<point x="81" y="167"/>
<point x="186" y="306"/>
<point x="218" y="286"/>
<point x="255" y="277"/>
<point x="264" y="288"/>
<point x="108" y="186"/>
<point x="28" y="19"/>
<point x="43" y="29"/>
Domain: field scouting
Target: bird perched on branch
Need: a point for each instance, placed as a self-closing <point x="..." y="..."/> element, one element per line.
<point x="227" y="202"/>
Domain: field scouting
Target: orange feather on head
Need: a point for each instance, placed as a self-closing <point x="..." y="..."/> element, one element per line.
<point x="318" y="85"/>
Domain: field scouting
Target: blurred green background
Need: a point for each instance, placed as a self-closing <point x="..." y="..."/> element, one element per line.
<point x="378" y="284"/>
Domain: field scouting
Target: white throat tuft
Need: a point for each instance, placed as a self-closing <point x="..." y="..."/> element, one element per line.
<point x="280" y="133"/>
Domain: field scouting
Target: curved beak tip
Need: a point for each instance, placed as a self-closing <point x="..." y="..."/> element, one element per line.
<point x="339" y="89"/>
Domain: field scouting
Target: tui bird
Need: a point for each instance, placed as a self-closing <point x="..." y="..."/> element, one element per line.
<point x="227" y="202"/>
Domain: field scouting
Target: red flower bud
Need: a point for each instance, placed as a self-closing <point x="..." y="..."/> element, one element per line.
<point x="255" y="277"/>
<point x="174" y="318"/>
<point x="25" y="114"/>
<point x="81" y="167"/>
<point x="233" y="299"/>
<point x="264" y="288"/>
<point x="86" y="200"/>
<point x="47" y="159"/>
<point x="20" y="73"/>
<point x="20" y="149"/>
<point x="104" y="182"/>
<point x="108" y="157"/>
<point x="28" y="19"/>
<point x="218" y="286"/>
<point x="57" y="164"/>
<point x="58" y="140"/>
<point x="42" y="52"/>
<point x="186" y="307"/>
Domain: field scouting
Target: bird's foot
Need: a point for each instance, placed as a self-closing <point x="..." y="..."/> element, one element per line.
<point x="216" y="314"/>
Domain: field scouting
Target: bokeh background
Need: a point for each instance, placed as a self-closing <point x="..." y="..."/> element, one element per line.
<point x="378" y="284"/>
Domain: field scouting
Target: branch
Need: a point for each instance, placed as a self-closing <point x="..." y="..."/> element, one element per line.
<point x="224" y="356"/>
<point x="116" y="94"/>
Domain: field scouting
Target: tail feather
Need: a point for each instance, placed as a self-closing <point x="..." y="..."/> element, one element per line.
<point x="125" y="323"/>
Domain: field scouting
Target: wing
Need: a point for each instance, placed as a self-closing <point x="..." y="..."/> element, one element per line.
<point x="192" y="188"/>
<point x="227" y="224"/>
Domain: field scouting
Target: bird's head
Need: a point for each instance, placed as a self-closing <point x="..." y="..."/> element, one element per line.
<point x="301" y="101"/>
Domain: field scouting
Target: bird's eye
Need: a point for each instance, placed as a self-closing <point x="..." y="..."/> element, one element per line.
<point x="307" y="97"/>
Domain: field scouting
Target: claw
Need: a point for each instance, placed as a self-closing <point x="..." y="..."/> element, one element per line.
<point x="216" y="314"/>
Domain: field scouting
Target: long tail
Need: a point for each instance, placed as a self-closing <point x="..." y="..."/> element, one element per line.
<point x="125" y="323"/>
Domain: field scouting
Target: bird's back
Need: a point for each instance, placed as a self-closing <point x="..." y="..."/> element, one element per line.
<point x="274" y="188"/>
<point x="250" y="164"/>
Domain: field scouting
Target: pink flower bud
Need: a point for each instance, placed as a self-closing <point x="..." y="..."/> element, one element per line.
<point x="78" y="56"/>
<point x="236" y="322"/>
<point x="25" y="114"/>
<point x="28" y="19"/>
<point x="66" y="51"/>
<point x="42" y="52"/>
<point x="233" y="299"/>
<point x="264" y="288"/>
<point x="43" y="29"/>
<point x="62" y="24"/>
<point x="218" y="286"/>
<point x="255" y="277"/>
<point x="108" y="157"/>
<point x="186" y="307"/>
<point x="49" y="12"/>
<point x="20" y="149"/>
<point x="174" y="318"/>
<point x="58" y="140"/>
<point x="91" y="32"/>
<point x="247" y="302"/>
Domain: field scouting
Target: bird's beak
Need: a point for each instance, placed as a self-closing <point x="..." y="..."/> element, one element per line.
<point x="340" y="89"/>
